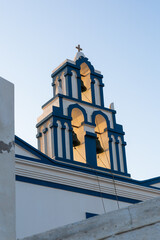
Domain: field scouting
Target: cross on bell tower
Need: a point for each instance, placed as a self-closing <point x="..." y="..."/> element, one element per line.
<point x="79" y="48"/>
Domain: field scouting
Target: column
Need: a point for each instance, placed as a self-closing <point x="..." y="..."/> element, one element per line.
<point x="90" y="147"/>
<point x="7" y="161"/>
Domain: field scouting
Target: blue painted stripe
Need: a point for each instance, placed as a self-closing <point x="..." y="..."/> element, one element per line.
<point x="151" y="181"/>
<point x="78" y="167"/>
<point x="28" y="158"/>
<point x="74" y="189"/>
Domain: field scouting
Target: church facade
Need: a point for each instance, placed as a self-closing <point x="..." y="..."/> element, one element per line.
<point x="79" y="169"/>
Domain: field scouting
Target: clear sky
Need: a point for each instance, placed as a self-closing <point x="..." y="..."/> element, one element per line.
<point x="121" y="38"/>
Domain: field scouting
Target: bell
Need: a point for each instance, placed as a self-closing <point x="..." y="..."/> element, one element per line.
<point x="99" y="148"/>
<point x="83" y="88"/>
<point x="76" y="142"/>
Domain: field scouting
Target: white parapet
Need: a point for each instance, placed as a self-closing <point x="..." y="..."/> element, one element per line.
<point x="7" y="161"/>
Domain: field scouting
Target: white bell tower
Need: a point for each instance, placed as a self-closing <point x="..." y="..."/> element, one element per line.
<point x="75" y="126"/>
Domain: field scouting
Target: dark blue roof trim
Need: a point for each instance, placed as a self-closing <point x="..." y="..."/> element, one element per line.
<point x="60" y="162"/>
<point x="78" y="167"/>
<point x="33" y="150"/>
<point x="151" y="181"/>
<point x="74" y="189"/>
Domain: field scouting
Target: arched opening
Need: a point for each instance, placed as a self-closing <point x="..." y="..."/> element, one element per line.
<point x="85" y="83"/>
<point x="102" y="142"/>
<point x="78" y="136"/>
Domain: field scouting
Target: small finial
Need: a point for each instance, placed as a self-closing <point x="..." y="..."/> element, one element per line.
<point x="111" y="106"/>
<point x="79" y="48"/>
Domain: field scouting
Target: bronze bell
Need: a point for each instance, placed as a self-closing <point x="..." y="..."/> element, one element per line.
<point x="76" y="142"/>
<point x="99" y="148"/>
<point x="83" y="88"/>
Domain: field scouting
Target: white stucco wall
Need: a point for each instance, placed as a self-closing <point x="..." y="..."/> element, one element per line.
<point x="7" y="162"/>
<point x="42" y="208"/>
<point x="140" y="222"/>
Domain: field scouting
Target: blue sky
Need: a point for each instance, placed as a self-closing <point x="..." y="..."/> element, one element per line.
<point x="121" y="38"/>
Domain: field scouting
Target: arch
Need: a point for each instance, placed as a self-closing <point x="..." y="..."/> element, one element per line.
<point x="85" y="60"/>
<point x="95" y="113"/>
<point x="86" y="93"/>
<point x="102" y="144"/>
<point x="78" y="142"/>
<point x="71" y="107"/>
<point x="74" y="84"/>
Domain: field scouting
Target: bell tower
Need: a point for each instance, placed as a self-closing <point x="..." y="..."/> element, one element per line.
<point x="75" y="127"/>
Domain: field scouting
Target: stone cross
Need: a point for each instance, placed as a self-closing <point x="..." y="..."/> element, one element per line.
<point x="79" y="48"/>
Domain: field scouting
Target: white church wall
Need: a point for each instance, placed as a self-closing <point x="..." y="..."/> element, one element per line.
<point x="114" y="154"/>
<point x="21" y="151"/>
<point x="97" y="92"/>
<point x="120" y="154"/>
<point x="88" y="128"/>
<point x="67" y="141"/>
<point x="58" y="86"/>
<point x="49" y="141"/>
<point x="7" y="161"/>
<point x="52" y="143"/>
<point x="74" y="85"/>
<point x="82" y="180"/>
<point x="48" y="109"/>
<point x="64" y="87"/>
<point x="156" y="185"/>
<point x="141" y="221"/>
<point x="41" y="208"/>
<point x="44" y="135"/>
<point x="42" y="141"/>
<point x="59" y="136"/>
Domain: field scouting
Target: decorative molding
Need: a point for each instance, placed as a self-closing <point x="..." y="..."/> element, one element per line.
<point x="69" y="179"/>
